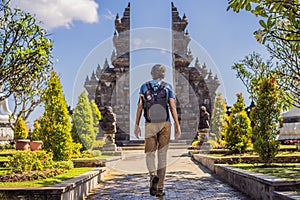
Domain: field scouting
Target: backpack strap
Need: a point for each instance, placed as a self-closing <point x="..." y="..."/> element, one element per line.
<point x="149" y="87"/>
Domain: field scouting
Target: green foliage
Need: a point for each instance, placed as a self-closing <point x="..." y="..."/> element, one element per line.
<point x="96" y="116"/>
<point x="20" y="131"/>
<point x="266" y="118"/>
<point x="218" y="116"/>
<point x="25" y="59"/>
<point x="35" y="135"/>
<point x="96" y="113"/>
<point x="24" y="161"/>
<point x="63" y="165"/>
<point x="281" y="36"/>
<point x="237" y="130"/>
<point x="84" y="121"/>
<point x="91" y="153"/>
<point x="55" y="124"/>
<point x="252" y="69"/>
<point x="280" y="19"/>
<point x="98" y="143"/>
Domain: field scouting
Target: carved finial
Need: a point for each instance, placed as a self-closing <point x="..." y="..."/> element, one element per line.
<point x="87" y="79"/>
<point x="105" y="63"/>
<point x="210" y="75"/>
<point x="172" y="4"/>
<point x="197" y="64"/>
<point x="216" y="79"/>
<point x="117" y="17"/>
<point x="128" y="5"/>
<point x="93" y="77"/>
<point x="184" y="17"/>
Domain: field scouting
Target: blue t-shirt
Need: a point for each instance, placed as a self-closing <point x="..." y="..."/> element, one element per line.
<point x="155" y="85"/>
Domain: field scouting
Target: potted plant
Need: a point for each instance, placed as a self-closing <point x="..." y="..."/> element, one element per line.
<point x="20" y="134"/>
<point x="35" y="143"/>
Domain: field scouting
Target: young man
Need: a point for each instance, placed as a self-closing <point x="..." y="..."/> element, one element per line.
<point x="156" y="99"/>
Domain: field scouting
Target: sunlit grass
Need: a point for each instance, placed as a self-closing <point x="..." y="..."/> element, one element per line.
<point x="46" y="182"/>
<point x="93" y="158"/>
<point x="289" y="171"/>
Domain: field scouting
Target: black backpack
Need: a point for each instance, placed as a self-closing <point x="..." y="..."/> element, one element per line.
<point x="155" y="103"/>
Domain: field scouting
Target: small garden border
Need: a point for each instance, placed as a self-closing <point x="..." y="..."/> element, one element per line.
<point x="75" y="188"/>
<point x="256" y="185"/>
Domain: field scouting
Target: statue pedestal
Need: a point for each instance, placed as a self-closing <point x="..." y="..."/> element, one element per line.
<point x="110" y="150"/>
<point x="204" y="136"/>
<point x="6" y="134"/>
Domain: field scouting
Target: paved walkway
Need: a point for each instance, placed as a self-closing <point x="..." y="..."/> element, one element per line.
<point x="185" y="179"/>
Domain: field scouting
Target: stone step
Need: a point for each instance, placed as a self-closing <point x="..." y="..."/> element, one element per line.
<point x="172" y="145"/>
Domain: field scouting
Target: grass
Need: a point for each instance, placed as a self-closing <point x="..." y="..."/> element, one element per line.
<point x="5" y="152"/>
<point x="288" y="171"/>
<point x="3" y="171"/>
<point x="93" y="158"/>
<point x="3" y="158"/>
<point x="46" y="182"/>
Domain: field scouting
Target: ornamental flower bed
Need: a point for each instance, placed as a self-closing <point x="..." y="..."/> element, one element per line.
<point x="33" y="165"/>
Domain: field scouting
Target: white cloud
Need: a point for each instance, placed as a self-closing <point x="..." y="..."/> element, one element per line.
<point x="109" y="15"/>
<point x="142" y="42"/>
<point x="56" y="13"/>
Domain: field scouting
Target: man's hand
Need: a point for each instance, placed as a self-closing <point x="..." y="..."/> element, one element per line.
<point x="177" y="132"/>
<point x="137" y="131"/>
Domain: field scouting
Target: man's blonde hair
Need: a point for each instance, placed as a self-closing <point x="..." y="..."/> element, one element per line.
<point x="158" y="71"/>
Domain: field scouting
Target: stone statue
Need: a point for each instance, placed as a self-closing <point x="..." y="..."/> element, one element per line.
<point x="108" y="124"/>
<point x="6" y="133"/>
<point x="4" y="110"/>
<point x="204" y="119"/>
<point x="203" y="126"/>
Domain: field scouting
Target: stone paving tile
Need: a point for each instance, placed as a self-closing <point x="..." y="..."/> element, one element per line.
<point x="185" y="179"/>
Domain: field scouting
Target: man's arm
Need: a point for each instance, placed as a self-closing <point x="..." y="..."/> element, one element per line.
<point x="137" y="130"/>
<point x="175" y="117"/>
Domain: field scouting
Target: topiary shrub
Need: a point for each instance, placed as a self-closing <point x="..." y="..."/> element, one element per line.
<point x="20" y="131"/>
<point x="238" y="131"/>
<point x="35" y="135"/>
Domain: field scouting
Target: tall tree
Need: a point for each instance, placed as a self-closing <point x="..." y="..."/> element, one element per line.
<point x="237" y="131"/>
<point x="218" y="116"/>
<point x="96" y="115"/>
<point x="84" y="121"/>
<point x="55" y="123"/>
<point x="25" y="52"/>
<point x="280" y="33"/>
<point x="266" y="118"/>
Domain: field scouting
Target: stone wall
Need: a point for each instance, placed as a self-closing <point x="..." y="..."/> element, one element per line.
<point x="256" y="185"/>
<point x="72" y="189"/>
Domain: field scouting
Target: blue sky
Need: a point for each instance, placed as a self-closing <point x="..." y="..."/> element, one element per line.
<point x="79" y="27"/>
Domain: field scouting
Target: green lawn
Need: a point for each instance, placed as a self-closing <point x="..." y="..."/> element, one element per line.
<point x="45" y="182"/>
<point x="93" y="158"/>
<point x="289" y="171"/>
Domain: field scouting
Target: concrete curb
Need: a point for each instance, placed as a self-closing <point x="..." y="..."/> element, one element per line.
<point x="72" y="189"/>
<point x="256" y="185"/>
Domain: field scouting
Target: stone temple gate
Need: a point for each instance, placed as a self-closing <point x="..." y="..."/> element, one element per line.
<point x="193" y="84"/>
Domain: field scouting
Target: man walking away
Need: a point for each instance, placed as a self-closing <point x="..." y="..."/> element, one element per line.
<point x="155" y="100"/>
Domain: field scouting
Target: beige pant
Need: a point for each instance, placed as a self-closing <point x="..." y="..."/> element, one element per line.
<point x="157" y="138"/>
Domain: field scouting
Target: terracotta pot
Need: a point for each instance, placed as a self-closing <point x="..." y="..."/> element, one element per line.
<point x="36" y="145"/>
<point x="22" y="144"/>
